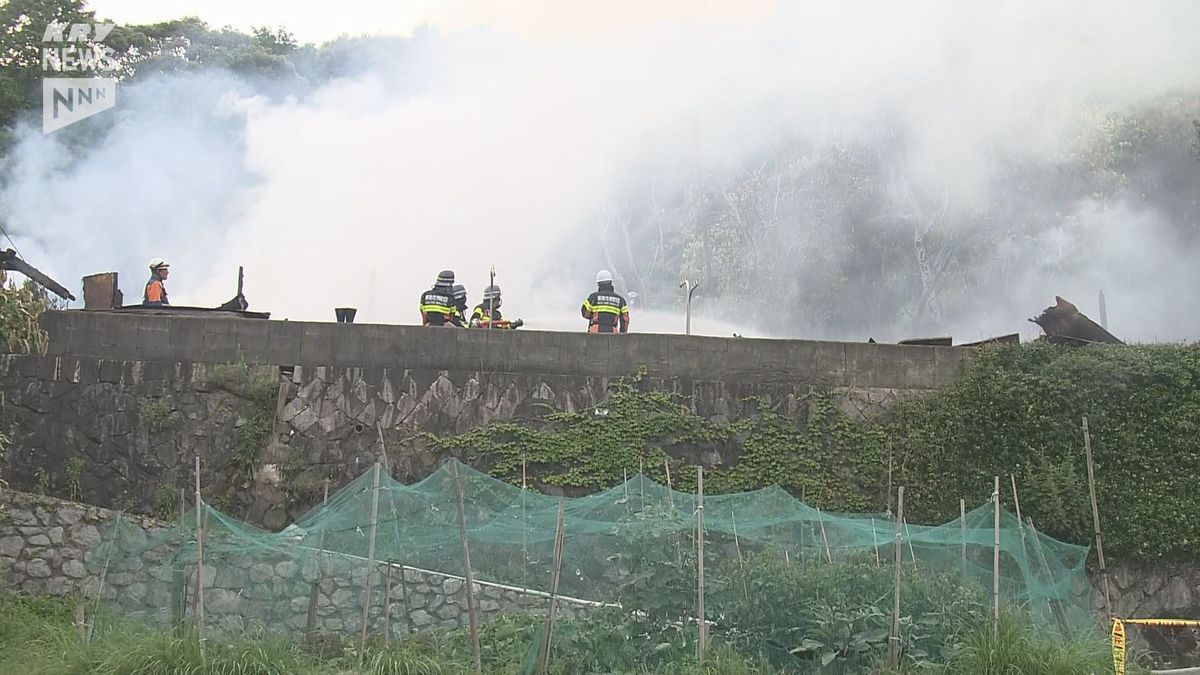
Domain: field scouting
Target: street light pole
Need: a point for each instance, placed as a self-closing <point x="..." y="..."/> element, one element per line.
<point x="689" y="288"/>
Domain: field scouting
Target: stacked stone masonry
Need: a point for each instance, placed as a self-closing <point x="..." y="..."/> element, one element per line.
<point x="46" y="546"/>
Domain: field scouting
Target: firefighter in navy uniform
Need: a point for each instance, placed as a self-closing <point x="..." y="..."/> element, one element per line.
<point x="487" y="313"/>
<point x="437" y="303"/>
<point x="605" y="310"/>
<point x="460" y="306"/>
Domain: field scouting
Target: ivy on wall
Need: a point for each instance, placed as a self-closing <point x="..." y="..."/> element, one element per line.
<point x="835" y="463"/>
<point x="1014" y="411"/>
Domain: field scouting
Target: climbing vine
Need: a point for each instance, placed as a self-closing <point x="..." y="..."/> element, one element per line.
<point x="835" y="462"/>
<point x="1015" y="411"/>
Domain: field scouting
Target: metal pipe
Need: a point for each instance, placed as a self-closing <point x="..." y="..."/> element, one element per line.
<point x="688" y="288"/>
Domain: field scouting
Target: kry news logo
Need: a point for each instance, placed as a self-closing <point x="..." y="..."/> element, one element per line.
<point x="76" y="47"/>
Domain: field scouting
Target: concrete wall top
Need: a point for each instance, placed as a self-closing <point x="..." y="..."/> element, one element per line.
<point x="189" y="339"/>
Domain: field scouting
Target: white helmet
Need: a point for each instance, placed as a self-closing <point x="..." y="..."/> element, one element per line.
<point x="159" y="262"/>
<point x="603" y="275"/>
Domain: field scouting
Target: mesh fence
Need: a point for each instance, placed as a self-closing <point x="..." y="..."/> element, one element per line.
<point x="804" y="590"/>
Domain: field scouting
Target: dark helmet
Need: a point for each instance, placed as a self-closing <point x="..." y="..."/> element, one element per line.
<point x="445" y="278"/>
<point x="491" y="292"/>
<point x="460" y="291"/>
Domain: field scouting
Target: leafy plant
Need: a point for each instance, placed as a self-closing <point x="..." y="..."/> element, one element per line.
<point x="41" y="481"/>
<point x="20" y="308"/>
<point x="156" y="414"/>
<point x="165" y="506"/>
<point x="74" y="470"/>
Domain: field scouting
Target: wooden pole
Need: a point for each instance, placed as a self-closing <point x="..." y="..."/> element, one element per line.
<point x="875" y="538"/>
<point x="996" y="561"/>
<point x="894" y="635"/>
<point x="472" y="610"/>
<point x="1087" y="446"/>
<point x="387" y="603"/>
<point x="370" y="561"/>
<point x="824" y="539"/>
<point x="199" y="565"/>
<point x="700" y="564"/>
<point x="543" y="664"/>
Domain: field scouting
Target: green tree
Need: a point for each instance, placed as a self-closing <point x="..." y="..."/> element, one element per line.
<point x="22" y="26"/>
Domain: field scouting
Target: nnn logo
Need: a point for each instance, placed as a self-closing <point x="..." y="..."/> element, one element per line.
<point x="66" y="100"/>
<point x="76" y="47"/>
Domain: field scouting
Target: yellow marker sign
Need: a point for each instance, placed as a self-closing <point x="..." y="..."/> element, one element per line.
<point x="1118" y="646"/>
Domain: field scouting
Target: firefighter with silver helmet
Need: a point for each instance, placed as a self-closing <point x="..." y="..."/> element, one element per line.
<point x="437" y="303"/>
<point x="460" y="306"/>
<point x="605" y="309"/>
<point x="487" y="313"/>
<point x="155" y="293"/>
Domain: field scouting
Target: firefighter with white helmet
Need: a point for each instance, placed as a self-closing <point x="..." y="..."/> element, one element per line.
<point x="605" y="309"/>
<point x="155" y="293"/>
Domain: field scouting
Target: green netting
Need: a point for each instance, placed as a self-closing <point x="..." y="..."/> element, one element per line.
<point x="805" y="590"/>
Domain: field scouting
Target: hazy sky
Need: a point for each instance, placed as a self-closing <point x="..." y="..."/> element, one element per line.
<point x="501" y="147"/>
<point x="314" y="22"/>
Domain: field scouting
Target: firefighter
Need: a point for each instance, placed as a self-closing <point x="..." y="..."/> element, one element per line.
<point x="155" y="293"/>
<point x="437" y="303"/>
<point x="487" y="312"/>
<point x="605" y="310"/>
<point x="460" y="306"/>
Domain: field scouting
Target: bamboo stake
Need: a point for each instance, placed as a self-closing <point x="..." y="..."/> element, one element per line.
<point x="524" y="527"/>
<point x="741" y="563"/>
<point x="387" y="603"/>
<point x="543" y="664"/>
<point x="962" y="526"/>
<point x="875" y="538"/>
<point x="642" y="480"/>
<point x="408" y="622"/>
<point x="670" y="490"/>
<point x="700" y="563"/>
<point x="824" y="539"/>
<point x="1020" y="523"/>
<point x="80" y="624"/>
<point x="1087" y="446"/>
<point x="311" y="623"/>
<point x="370" y="561"/>
<point x="908" y="534"/>
<point x="996" y="562"/>
<point x="1056" y="607"/>
<point x="112" y="544"/>
<point x="803" y="525"/>
<point x="199" y="566"/>
<point x="894" y="635"/>
<point x="472" y="610"/>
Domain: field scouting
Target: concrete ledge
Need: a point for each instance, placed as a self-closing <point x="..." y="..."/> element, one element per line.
<point x="192" y="339"/>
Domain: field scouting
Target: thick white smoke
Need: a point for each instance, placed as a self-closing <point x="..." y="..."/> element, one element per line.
<point x="480" y="148"/>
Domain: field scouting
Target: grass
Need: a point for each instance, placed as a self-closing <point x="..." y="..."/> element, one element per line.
<point x="37" y="637"/>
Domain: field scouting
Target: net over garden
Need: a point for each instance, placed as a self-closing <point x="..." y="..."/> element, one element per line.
<point x="783" y="582"/>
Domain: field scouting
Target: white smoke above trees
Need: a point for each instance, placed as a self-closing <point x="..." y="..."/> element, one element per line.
<point x="787" y="162"/>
